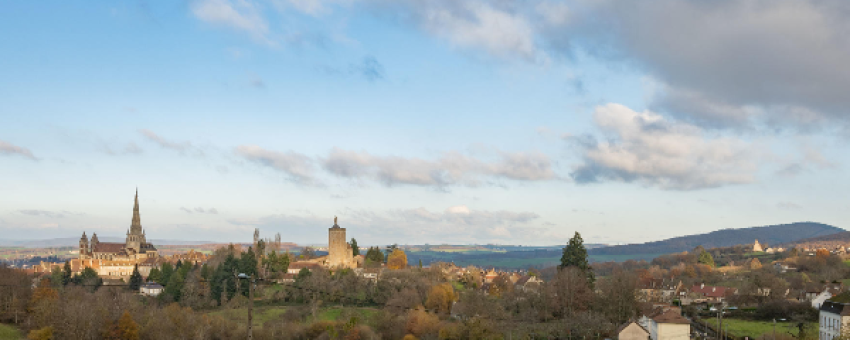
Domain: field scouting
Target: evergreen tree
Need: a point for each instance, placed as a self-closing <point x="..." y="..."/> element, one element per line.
<point x="155" y="276"/>
<point x="66" y="274"/>
<point x="178" y="264"/>
<point x="420" y="263"/>
<point x="223" y="283"/>
<point x="355" y="250"/>
<point x="374" y="256"/>
<point x="205" y="272"/>
<point x="165" y="273"/>
<point x="175" y="283"/>
<point x="706" y="258"/>
<point x="277" y="264"/>
<point x="135" y="279"/>
<point x="575" y="255"/>
<point x="88" y="278"/>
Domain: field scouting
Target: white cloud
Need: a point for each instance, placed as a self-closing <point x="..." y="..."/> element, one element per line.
<point x="182" y="147"/>
<point x="242" y="15"/>
<point x="458" y="224"/>
<point x="648" y="148"/>
<point x="298" y="166"/>
<point x="7" y="148"/>
<point x="450" y="169"/>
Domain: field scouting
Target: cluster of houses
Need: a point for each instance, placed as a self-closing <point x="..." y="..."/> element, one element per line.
<point x="667" y="290"/>
<point x="116" y="271"/>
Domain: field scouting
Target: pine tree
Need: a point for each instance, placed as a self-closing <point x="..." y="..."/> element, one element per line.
<point x="355" y="250"/>
<point x="66" y="274"/>
<point x="575" y="255"/>
<point x="155" y="276"/>
<point x="165" y="273"/>
<point x="135" y="279"/>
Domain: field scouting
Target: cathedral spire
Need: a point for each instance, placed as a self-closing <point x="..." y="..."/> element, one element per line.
<point x="136" y="226"/>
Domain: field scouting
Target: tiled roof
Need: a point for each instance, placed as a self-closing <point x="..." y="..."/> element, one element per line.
<point x="627" y="324"/>
<point x="670" y="316"/>
<point x="108" y="247"/>
<point x="712" y="291"/>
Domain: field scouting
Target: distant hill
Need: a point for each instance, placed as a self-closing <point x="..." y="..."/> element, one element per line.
<point x="75" y="242"/>
<point x="828" y="241"/>
<point x="772" y="235"/>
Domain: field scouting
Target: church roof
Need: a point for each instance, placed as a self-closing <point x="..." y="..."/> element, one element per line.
<point x="108" y="247"/>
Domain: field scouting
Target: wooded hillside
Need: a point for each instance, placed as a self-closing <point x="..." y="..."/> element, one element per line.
<point x="772" y="235"/>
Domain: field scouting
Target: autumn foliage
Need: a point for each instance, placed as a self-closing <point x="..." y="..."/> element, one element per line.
<point x="397" y="260"/>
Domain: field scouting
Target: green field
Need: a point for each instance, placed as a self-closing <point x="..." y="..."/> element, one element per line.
<point x="8" y="332"/>
<point x="753" y="329"/>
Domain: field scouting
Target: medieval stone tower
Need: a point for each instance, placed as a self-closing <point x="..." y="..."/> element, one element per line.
<point x="84" y="246"/>
<point x="136" y="236"/>
<point x="339" y="251"/>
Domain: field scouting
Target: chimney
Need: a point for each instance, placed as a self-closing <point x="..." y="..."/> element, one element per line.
<point x="701" y="285"/>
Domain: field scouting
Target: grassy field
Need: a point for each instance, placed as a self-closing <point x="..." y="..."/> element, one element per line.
<point x="754" y="329"/>
<point x="8" y="332"/>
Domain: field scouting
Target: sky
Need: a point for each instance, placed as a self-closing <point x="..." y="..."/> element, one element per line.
<point x="422" y="121"/>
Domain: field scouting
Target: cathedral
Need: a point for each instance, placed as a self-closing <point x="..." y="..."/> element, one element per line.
<point x="134" y="249"/>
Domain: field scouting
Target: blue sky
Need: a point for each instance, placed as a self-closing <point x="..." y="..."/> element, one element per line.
<point x="421" y="121"/>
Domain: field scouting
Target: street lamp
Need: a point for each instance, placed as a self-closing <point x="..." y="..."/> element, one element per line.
<point x="243" y="276"/>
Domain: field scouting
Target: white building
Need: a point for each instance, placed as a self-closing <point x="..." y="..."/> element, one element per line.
<point x="151" y="289"/>
<point x="834" y="316"/>
<point x="669" y="325"/>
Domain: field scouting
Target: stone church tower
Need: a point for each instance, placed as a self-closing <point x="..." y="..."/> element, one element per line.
<point x="135" y="236"/>
<point x="84" y="246"/>
<point x="339" y="251"/>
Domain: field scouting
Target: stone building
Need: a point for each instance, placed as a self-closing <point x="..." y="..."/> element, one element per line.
<point x="757" y="247"/>
<point x="340" y="254"/>
<point x="117" y="260"/>
<point x="834" y="317"/>
<point x="632" y="331"/>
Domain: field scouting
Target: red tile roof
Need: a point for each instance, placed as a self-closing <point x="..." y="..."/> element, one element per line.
<point x="108" y="247"/>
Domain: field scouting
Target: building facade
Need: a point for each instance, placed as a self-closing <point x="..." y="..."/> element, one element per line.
<point x="834" y="316"/>
<point x="117" y="260"/>
<point x="340" y="254"/>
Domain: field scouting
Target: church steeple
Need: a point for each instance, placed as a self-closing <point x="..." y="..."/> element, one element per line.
<point x="136" y="225"/>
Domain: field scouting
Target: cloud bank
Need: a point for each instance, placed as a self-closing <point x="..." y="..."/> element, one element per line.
<point x="650" y="149"/>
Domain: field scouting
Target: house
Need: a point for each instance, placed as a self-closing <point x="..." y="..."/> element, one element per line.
<point x="151" y="289"/>
<point x="817" y="294"/>
<point x="296" y="267"/>
<point x="783" y="267"/>
<point x="658" y="290"/>
<point x="669" y="324"/>
<point x="834" y="316"/>
<point x="712" y="294"/>
<point x="632" y="331"/>
<point x="490" y="276"/>
<point x="528" y="283"/>
<point x="369" y="273"/>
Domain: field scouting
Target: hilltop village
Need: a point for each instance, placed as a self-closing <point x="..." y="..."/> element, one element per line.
<point x="131" y="290"/>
